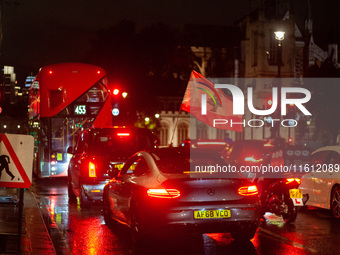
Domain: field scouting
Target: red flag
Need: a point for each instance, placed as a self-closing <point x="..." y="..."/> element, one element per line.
<point x="219" y="105"/>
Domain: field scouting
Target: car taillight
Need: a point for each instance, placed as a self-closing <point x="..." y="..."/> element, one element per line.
<point x="163" y="193"/>
<point x="290" y="180"/>
<point x="253" y="159"/>
<point x="248" y="191"/>
<point x="123" y="134"/>
<point x="92" y="170"/>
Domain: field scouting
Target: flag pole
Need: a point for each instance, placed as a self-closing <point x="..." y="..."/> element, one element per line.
<point x="180" y="110"/>
<point x="173" y="133"/>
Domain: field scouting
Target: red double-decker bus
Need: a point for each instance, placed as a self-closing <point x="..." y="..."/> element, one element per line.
<point x="64" y="99"/>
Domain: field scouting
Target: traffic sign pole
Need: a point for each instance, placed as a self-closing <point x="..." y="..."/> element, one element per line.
<point x="16" y="158"/>
<point x="21" y="208"/>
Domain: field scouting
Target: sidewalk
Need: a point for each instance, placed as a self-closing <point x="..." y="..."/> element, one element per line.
<point x="35" y="238"/>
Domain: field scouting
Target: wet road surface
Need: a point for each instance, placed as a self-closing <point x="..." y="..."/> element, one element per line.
<point x="76" y="231"/>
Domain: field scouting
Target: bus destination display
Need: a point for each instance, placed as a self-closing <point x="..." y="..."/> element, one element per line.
<point x="80" y="109"/>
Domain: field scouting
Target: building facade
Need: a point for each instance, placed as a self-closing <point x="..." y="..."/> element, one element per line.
<point x="260" y="61"/>
<point x="13" y="109"/>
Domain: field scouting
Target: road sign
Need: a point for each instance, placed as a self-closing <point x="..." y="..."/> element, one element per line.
<point x="16" y="160"/>
<point x="115" y="111"/>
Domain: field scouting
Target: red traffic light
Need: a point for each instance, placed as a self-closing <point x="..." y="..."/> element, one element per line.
<point x="115" y="92"/>
<point x="290" y="140"/>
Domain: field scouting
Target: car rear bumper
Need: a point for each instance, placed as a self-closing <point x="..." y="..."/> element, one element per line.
<point x="243" y="217"/>
<point x="94" y="192"/>
<point x="207" y="227"/>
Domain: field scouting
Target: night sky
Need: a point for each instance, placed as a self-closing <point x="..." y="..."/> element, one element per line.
<point x="40" y="32"/>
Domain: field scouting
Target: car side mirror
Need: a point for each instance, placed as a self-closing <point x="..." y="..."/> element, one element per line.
<point x="70" y="150"/>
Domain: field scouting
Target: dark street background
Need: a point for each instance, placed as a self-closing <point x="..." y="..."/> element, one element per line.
<point x="38" y="33"/>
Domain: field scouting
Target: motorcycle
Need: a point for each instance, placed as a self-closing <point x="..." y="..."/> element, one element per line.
<point x="281" y="197"/>
<point x="279" y="191"/>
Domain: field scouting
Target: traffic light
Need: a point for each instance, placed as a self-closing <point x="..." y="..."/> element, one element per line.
<point x="268" y="120"/>
<point x="269" y="102"/>
<point x="115" y="92"/>
<point x="117" y="103"/>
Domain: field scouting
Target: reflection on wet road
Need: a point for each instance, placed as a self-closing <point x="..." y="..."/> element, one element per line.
<point x="76" y="231"/>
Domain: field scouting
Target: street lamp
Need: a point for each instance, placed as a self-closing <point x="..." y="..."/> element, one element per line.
<point x="279" y="36"/>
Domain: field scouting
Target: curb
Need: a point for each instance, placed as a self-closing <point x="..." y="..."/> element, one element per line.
<point x="35" y="238"/>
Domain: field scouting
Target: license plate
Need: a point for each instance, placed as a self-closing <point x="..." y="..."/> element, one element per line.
<point x="295" y="193"/>
<point x="212" y="214"/>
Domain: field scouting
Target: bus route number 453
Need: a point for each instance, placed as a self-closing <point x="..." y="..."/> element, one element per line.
<point x="80" y="110"/>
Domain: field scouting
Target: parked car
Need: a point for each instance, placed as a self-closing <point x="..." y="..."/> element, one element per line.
<point x="155" y="192"/>
<point x="99" y="151"/>
<point x="322" y="182"/>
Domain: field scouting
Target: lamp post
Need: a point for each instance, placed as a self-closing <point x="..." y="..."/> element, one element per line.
<point x="279" y="36"/>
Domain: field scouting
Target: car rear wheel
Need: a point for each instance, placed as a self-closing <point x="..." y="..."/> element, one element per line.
<point x="106" y="212"/>
<point x="335" y="202"/>
<point x="137" y="234"/>
<point x="291" y="215"/>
